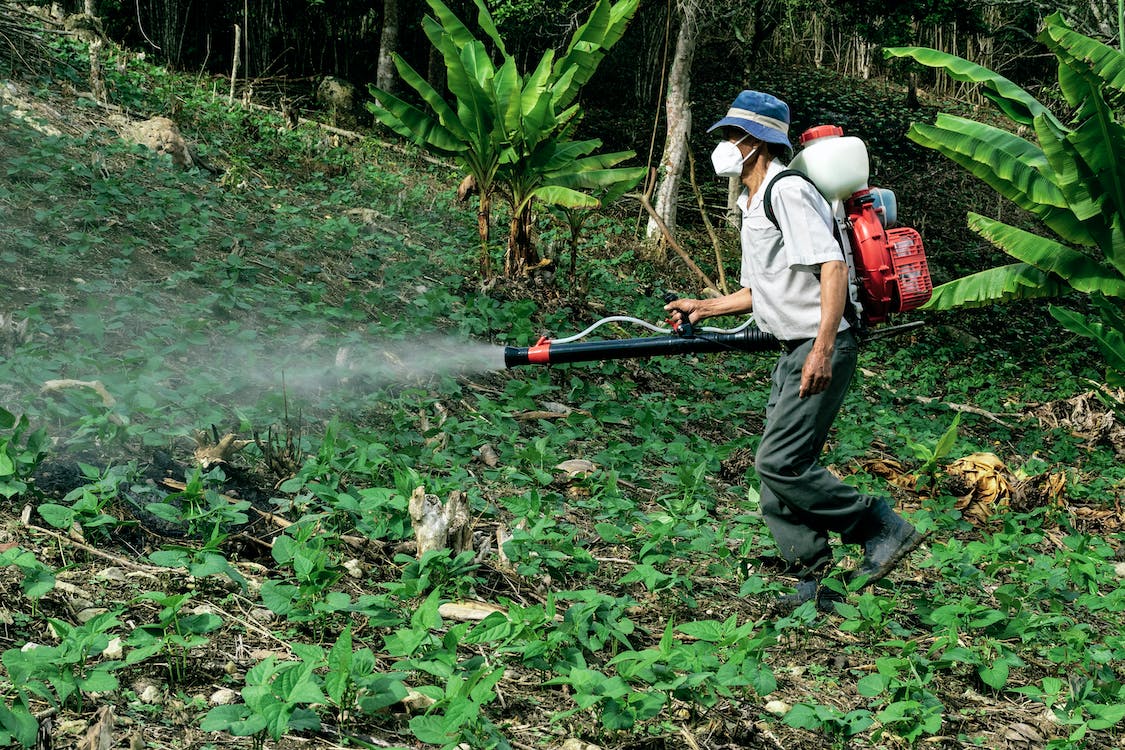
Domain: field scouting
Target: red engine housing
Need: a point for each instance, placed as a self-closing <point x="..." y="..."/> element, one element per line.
<point x="890" y="264"/>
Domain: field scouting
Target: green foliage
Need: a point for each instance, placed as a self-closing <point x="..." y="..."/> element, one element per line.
<point x="38" y="579"/>
<point x="61" y="674"/>
<point x="21" y="451"/>
<point x="639" y="592"/>
<point x="1070" y="179"/>
<point x="276" y="698"/>
<point x="201" y="510"/>
<point x="87" y="504"/>
<point x="174" y="633"/>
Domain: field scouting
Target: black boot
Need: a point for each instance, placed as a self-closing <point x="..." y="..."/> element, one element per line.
<point x="807" y="590"/>
<point x="894" y="538"/>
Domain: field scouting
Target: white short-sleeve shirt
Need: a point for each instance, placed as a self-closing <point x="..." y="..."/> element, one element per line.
<point x="781" y="266"/>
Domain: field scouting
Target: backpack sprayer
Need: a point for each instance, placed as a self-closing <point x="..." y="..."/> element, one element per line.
<point x="886" y="266"/>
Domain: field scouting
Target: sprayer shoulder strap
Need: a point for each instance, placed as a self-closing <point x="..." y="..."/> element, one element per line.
<point x="768" y="200"/>
<point x="850" y="313"/>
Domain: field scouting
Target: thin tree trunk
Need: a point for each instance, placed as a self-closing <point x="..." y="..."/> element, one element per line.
<point x="678" y="113"/>
<point x="385" y="75"/>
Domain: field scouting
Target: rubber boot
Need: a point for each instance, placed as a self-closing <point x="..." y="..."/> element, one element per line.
<point x="893" y="539"/>
<point x="807" y="590"/>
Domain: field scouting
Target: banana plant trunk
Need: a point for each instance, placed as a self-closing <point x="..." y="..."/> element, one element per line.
<point x="484" y="215"/>
<point x="522" y="255"/>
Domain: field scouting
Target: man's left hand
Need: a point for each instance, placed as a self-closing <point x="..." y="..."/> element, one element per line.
<point x="816" y="374"/>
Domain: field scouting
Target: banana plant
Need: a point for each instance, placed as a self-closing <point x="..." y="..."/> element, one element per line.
<point x="1071" y="176"/>
<point x="510" y="131"/>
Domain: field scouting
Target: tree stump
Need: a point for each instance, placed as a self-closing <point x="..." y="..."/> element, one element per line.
<point x="438" y="526"/>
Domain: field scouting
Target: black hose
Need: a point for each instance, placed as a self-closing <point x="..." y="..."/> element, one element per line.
<point x="546" y="353"/>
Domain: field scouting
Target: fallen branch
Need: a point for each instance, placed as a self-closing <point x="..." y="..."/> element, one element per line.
<point x="965" y="409"/>
<point x="644" y="199"/>
<point x="707" y="225"/>
<point x="123" y="562"/>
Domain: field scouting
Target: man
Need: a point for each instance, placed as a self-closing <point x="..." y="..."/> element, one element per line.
<point x="795" y="281"/>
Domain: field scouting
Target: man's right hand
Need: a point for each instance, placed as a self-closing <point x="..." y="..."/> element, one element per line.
<point x="684" y="310"/>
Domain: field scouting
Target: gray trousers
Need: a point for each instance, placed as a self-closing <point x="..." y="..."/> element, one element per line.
<point x="801" y="500"/>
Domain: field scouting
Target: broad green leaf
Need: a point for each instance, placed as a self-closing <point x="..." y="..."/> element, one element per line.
<point x="562" y="196"/>
<point x="411" y="122"/>
<point x="1010" y="165"/>
<point x="445" y="114"/>
<point x="1109" y="340"/>
<point x="7" y="419"/>
<point x="507" y="96"/>
<point x="433" y="730"/>
<point x="484" y="20"/>
<point x="1083" y="273"/>
<point x="1000" y="284"/>
<point x="1012" y="100"/>
<point x="1104" y="61"/>
<point x="449" y="25"/>
<point x="600" y="178"/>
<point x="18" y="720"/>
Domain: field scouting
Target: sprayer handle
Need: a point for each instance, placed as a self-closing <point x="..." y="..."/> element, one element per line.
<point x="683" y="327"/>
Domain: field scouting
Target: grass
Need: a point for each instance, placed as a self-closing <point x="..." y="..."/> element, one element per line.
<point x="630" y="607"/>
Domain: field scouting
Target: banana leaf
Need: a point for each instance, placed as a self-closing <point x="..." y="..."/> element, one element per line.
<point x="445" y="114"/>
<point x="980" y="149"/>
<point x="558" y="195"/>
<point x="1106" y="62"/>
<point x="1000" y="284"/>
<point x="1082" y="272"/>
<point x="414" y="124"/>
<point x="1012" y="100"/>
<point x="1109" y="340"/>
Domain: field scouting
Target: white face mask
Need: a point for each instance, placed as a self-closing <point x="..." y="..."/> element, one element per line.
<point x="728" y="160"/>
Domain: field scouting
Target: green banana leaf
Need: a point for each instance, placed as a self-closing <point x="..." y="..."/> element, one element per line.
<point x="484" y="20"/>
<point x="445" y="114"/>
<point x="557" y="195"/>
<point x="1000" y="284"/>
<point x="414" y="124"/>
<point x="1080" y="271"/>
<point x="1106" y="62"/>
<point x="996" y="157"/>
<point x="590" y="42"/>
<point x="1109" y="340"/>
<point x="1016" y="103"/>
<point x="589" y="179"/>
<point x="448" y="24"/>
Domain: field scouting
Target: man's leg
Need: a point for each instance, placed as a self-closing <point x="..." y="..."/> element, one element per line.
<point x="797" y="491"/>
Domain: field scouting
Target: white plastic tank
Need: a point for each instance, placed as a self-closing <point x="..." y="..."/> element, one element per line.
<point x="837" y="164"/>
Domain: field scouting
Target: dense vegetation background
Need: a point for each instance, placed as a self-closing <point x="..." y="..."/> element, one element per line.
<point x="221" y="387"/>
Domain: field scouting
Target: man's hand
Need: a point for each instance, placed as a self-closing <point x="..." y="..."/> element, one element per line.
<point x="817" y="372"/>
<point x="684" y="311"/>
<point x="695" y="310"/>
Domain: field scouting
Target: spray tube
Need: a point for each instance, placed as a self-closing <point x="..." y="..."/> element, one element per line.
<point x="682" y="339"/>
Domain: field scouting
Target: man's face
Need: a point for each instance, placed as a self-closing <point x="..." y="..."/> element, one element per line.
<point x="743" y="140"/>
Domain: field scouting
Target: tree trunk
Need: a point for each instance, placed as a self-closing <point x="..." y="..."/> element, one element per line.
<point x="385" y="75"/>
<point x="677" y="110"/>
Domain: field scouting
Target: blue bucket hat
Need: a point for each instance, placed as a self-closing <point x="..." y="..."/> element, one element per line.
<point x="762" y="115"/>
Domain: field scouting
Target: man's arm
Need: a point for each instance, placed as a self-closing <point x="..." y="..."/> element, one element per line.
<point x="694" y="310"/>
<point x="817" y="371"/>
